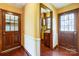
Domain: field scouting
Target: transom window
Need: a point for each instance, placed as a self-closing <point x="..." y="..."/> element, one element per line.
<point x="67" y="22"/>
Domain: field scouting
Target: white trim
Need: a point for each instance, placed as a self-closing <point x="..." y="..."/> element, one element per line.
<point x="68" y="49"/>
<point x="10" y="49"/>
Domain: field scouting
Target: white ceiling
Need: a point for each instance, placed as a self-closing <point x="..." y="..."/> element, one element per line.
<point x="60" y="5"/>
<point x="57" y="5"/>
<point x="19" y="5"/>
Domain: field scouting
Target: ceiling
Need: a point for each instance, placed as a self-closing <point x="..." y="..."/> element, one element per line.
<point x="60" y="5"/>
<point x="57" y="5"/>
<point x="19" y="5"/>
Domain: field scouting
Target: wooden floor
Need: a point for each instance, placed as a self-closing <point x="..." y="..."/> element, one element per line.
<point x="17" y="52"/>
<point x="45" y="51"/>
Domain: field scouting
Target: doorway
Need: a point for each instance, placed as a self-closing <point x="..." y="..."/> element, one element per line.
<point x="45" y="28"/>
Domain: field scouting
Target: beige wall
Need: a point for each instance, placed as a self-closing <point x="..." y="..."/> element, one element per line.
<point x="32" y="17"/>
<point x="68" y="7"/>
<point x="12" y="8"/>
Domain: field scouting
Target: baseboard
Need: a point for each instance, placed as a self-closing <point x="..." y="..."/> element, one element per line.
<point x="26" y="51"/>
<point x="11" y="49"/>
<point x="68" y="49"/>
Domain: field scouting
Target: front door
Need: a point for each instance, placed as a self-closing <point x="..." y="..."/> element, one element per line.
<point x="67" y="31"/>
<point x="11" y="30"/>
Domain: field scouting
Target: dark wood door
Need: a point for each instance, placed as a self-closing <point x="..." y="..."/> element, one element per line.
<point x="67" y="31"/>
<point x="47" y="39"/>
<point x="67" y="40"/>
<point x="11" y="30"/>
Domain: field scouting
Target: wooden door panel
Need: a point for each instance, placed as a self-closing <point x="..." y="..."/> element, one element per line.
<point x="8" y="38"/>
<point x="47" y="39"/>
<point x="61" y="39"/>
<point x="16" y="39"/>
<point x="67" y="39"/>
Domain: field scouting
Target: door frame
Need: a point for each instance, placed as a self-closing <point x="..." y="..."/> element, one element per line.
<point x="42" y="5"/>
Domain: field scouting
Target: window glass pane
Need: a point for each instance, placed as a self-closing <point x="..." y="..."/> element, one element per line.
<point x="7" y="16"/>
<point x="48" y="23"/>
<point x="73" y="29"/>
<point x="66" y="17"/>
<point x="12" y="18"/>
<point x="16" y="19"/>
<point x="66" y="23"/>
<point x="70" y="28"/>
<point x="62" y="28"/>
<point x="16" y="27"/>
<point x="7" y="27"/>
<point x="12" y="27"/>
<point x="71" y="22"/>
<point x="71" y="16"/>
<point x="62" y="23"/>
<point x="66" y="28"/>
<point x="62" y="18"/>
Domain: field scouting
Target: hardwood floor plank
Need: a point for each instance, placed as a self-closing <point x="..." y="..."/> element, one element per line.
<point x="17" y="52"/>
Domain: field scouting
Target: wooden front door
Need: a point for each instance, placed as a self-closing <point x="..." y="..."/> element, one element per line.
<point x="67" y="30"/>
<point x="11" y="30"/>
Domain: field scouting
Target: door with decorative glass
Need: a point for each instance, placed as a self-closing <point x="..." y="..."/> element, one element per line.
<point x="67" y="30"/>
<point x="11" y="30"/>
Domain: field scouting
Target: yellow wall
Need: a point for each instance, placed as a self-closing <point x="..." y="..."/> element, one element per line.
<point x="10" y="7"/>
<point x="17" y="10"/>
<point x="68" y="7"/>
<point x="32" y="17"/>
